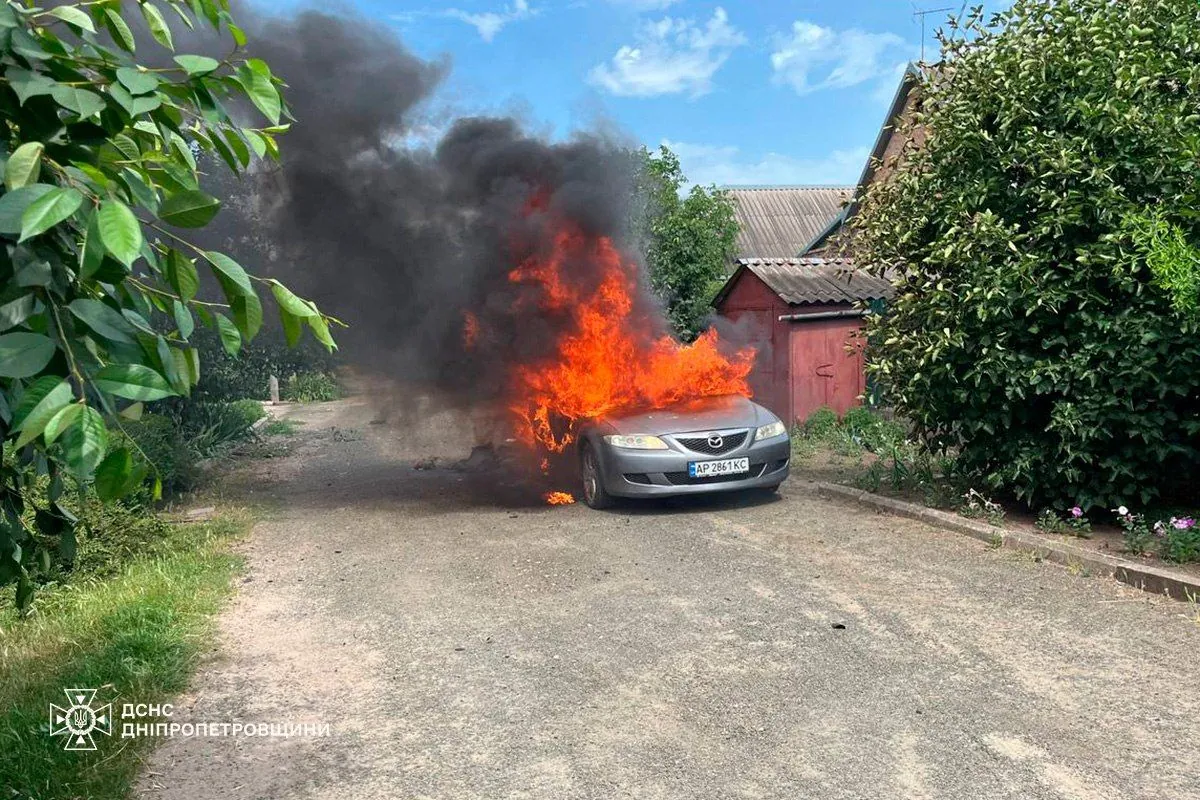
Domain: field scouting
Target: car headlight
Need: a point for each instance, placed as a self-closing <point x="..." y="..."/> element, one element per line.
<point x="769" y="431"/>
<point x="638" y="441"/>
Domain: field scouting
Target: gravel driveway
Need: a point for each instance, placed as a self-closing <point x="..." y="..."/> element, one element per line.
<point x="461" y="647"/>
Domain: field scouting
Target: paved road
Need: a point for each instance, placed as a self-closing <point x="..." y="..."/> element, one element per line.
<point x="463" y="648"/>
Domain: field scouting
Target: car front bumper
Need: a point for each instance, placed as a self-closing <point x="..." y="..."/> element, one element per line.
<point x="664" y="473"/>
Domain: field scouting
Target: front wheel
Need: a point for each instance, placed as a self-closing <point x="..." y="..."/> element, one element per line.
<point x="594" y="493"/>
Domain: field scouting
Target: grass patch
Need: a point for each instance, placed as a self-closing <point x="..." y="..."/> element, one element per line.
<point x="135" y="636"/>
<point x="281" y="427"/>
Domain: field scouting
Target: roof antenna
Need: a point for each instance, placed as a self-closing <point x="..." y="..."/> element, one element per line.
<point x="921" y="15"/>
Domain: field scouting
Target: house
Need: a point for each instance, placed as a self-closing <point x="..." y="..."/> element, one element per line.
<point x="803" y="314"/>
<point x="889" y="149"/>
<point x="795" y="290"/>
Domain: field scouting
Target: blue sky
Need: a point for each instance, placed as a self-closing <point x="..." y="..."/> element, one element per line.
<point x="758" y="92"/>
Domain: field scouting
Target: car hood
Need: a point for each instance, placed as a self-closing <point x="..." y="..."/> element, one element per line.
<point x="706" y="413"/>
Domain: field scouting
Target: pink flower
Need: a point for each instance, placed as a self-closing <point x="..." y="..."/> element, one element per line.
<point x="1182" y="524"/>
<point x="1076" y="512"/>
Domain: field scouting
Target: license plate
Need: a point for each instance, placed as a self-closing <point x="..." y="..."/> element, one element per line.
<point x="712" y="469"/>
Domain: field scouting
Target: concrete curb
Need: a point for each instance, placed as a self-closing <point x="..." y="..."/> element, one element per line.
<point x="1139" y="576"/>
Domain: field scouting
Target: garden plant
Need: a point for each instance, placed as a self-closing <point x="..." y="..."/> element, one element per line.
<point x="100" y="286"/>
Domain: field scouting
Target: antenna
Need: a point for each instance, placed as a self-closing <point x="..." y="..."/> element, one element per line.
<point x="921" y="15"/>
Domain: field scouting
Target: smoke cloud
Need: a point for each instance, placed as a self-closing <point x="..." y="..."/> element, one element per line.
<point x="404" y="243"/>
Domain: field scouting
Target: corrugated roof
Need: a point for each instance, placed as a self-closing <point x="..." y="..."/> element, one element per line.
<point x="801" y="281"/>
<point x="779" y="221"/>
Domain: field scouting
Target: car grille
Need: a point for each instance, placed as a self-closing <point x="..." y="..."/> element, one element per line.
<point x="683" y="479"/>
<point x="700" y="444"/>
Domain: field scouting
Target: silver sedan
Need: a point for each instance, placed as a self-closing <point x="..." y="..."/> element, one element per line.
<point x="714" y="444"/>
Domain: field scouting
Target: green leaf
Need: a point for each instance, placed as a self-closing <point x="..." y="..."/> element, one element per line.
<point x="53" y="386"/>
<point x="247" y="313"/>
<point x="14" y="312"/>
<point x="180" y="374"/>
<point x="117" y="475"/>
<point x="238" y="146"/>
<point x="23" y="165"/>
<point x="28" y="84"/>
<point x="197" y="65"/>
<point x="13" y="205"/>
<point x="83" y="102"/>
<point x="159" y="28"/>
<point x="231" y="340"/>
<point x="133" y="411"/>
<point x="289" y="301"/>
<point x="191" y="209"/>
<point x="49" y="210"/>
<point x="63" y="419"/>
<point x="120" y="231"/>
<point x="133" y="382"/>
<point x="23" y="355"/>
<point x="262" y="93"/>
<point x="256" y="140"/>
<point x="232" y="277"/>
<point x="43" y="398"/>
<point x="320" y="329"/>
<point x="136" y="81"/>
<point x="104" y="320"/>
<point x="183" y="319"/>
<point x="239" y="38"/>
<point x="182" y="275"/>
<point x="119" y="29"/>
<point x="293" y="326"/>
<point x="84" y="442"/>
<point x="91" y="255"/>
<point x="73" y="16"/>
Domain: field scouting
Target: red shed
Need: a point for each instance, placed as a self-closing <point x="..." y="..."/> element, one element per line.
<point x="804" y="314"/>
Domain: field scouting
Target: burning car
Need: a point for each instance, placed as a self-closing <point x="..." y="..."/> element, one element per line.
<point x="711" y="444"/>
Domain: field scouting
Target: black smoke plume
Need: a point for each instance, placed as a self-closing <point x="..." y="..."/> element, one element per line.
<point x="402" y="242"/>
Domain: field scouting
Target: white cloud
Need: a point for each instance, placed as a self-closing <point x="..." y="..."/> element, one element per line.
<point x="490" y="23"/>
<point x="670" y="56"/>
<point x="815" y="57"/>
<point x="646" y="5"/>
<point x="727" y="165"/>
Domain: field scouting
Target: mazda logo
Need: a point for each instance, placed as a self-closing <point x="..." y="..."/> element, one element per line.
<point x="715" y="441"/>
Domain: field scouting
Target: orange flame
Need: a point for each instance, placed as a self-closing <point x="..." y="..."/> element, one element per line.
<point x="559" y="498"/>
<point x="611" y="358"/>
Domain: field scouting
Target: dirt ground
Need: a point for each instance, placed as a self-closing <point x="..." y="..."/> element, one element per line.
<point x="463" y="646"/>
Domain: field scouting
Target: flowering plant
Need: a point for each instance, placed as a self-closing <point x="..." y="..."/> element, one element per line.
<point x="1178" y="539"/>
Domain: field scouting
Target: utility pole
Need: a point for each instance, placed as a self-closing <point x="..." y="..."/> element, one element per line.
<point x="921" y="15"/>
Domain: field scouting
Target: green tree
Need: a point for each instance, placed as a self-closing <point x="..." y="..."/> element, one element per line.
<point x="98" y="287"/>
<point x="689" y="239"/>
<point x="1030" y="332"/>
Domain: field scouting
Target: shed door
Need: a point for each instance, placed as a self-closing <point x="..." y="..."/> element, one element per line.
<point x="770" y="361"/>
<point x="823" y="373"/>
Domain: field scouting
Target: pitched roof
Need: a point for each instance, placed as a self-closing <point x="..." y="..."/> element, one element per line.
<point x="802" y="281"/>
<point x="778" y="221"/>
<point x="908" y="81"/>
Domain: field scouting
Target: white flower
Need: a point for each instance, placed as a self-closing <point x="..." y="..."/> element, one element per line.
<point x="1123" y="511"/>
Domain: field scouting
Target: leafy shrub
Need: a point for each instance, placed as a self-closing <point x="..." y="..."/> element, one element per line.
<point x="248" y="374"/>
<point x="821" y="422"/>
<point x="1050" y="522"/>
<point x="99" y="298"/>
<point x="211" y="427"/>
<point x="1028" y="334"/>
<point x="162" y="445"/>
<point x="311" y="387"/>
<point x="1180" y="540"/>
